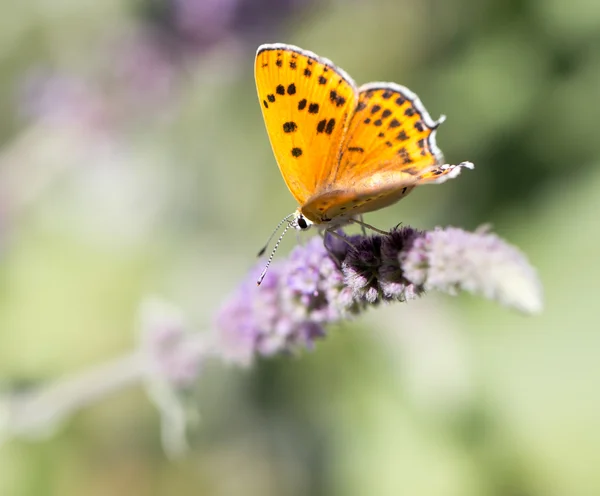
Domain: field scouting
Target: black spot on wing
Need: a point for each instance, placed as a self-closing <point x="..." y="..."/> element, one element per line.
<point x="402" y="136"/>
<point x="405" y="156"/>
<point x="330" y="126"/>
<point x="289" y="127"/>
<point x="336" y="99"/>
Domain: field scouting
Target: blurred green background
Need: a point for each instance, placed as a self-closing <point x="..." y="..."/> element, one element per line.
<point x="134" y="161"/>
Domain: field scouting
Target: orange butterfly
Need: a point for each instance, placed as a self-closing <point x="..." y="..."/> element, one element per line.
<point x="342" y="150"/>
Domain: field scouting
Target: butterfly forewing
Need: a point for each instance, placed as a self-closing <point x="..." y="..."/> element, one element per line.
<point x="306" y="103"/>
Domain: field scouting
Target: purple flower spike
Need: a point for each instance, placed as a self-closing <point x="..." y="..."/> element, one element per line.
<point x="451" y="260"/>
<point x="326" y="281"/>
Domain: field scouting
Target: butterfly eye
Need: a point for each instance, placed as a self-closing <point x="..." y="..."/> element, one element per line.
<point x="302" y="224"/>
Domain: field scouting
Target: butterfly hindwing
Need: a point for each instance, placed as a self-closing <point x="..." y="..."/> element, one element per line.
<point x="389" y="148"/>
<point x="306" y="103"/>
<point x="389" y="130"/>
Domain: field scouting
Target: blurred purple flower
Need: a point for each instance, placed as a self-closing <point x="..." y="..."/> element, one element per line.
<point x="64" y="99"/>
<point x="144" y="71"/>
<point x="319" y="285"/>
<point x="141" y="67"/>
<point x="173" y="353"/>
<point x="140" y="77"/>
<point x="204" y="21"/>
<point x="202" y="24"/>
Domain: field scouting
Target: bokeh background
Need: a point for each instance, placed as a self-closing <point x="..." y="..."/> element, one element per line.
<point x="134" y="162"/>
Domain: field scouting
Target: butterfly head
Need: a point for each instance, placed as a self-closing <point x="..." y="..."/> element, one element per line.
<point x="296" y="220"/>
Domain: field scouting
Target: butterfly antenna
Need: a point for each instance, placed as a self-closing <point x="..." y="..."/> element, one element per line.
<point x="264" y="248"/>
<point x="264" y="272"/>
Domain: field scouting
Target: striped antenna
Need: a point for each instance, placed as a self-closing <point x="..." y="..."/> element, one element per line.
<point x="264" y="272"/>
<point x="264" y="248"/>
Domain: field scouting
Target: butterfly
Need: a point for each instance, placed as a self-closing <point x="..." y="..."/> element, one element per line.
<point x="343" y="150"/>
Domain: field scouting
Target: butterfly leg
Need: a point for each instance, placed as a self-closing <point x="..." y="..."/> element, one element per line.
<point x="333" y="255"/>
<point x="339" y="236"/>
<point x="369" y="226"/>
<point x="362" y="225"/>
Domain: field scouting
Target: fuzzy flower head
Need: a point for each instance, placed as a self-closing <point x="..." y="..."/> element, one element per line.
<point x="451" y="260"/>
<point x="332" y="278"/>
<point x="290" y="309"/>
<point x="372" y="270"/>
